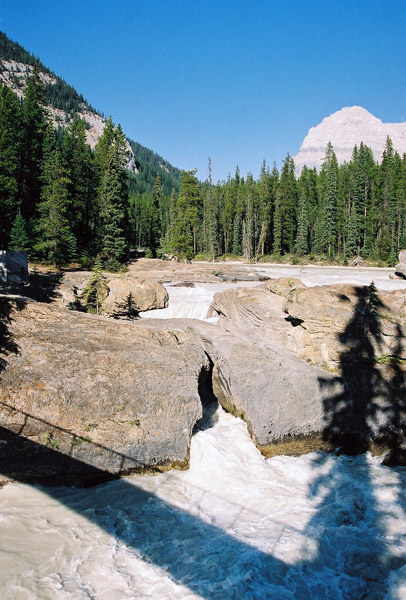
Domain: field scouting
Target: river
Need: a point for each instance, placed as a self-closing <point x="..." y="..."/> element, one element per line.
<point x="233" y="526"/>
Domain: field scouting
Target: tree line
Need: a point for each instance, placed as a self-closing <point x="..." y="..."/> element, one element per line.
<point x="344" y="211"/>
<point x="62" y="202"/>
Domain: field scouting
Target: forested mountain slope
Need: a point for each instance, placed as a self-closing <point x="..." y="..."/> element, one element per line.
<point x="16" y="65"/>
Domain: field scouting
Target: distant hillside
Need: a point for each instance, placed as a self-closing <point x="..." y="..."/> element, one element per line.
<point x="64" y="102"/>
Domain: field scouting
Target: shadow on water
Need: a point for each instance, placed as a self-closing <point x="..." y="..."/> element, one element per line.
<point x="216" y="565"/>
<point x="183" y="545"/>
<point x="369" y="410"/>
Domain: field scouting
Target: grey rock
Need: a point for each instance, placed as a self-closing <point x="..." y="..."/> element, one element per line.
<point x="103" y="395"/>
<point x="400" y="269"/>
<point x="278" y="395"/>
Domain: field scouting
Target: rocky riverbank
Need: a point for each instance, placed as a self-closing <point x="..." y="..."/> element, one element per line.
<point x="86" y="398"/>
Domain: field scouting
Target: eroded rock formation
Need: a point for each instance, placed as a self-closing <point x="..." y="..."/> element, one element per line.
<point x="107" y="395"/>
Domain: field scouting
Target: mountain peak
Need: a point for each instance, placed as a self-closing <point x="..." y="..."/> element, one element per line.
<point x="344" y="129"/>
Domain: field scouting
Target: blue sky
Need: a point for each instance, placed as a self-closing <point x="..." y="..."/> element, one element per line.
<point x="238" y="81"/>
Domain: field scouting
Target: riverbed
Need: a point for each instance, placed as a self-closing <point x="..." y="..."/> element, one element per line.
<point x="233" y="526"/>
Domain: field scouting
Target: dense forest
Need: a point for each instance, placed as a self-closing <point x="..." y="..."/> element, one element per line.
<point x="62" y="202"/>
<point x="355" y="209"/>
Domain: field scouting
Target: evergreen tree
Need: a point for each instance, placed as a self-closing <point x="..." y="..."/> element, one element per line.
<point x="389" y="202"/>
<point x="18" y="236"/>
<point x="330" y="171"/>
<point x="155" y="212"/>
<point x="352" y="246"/>
<point x="56" y="243"/>
<point x="238" y="214"/>
<point x="114" y="203"/>
<point x="10" y="148"/>
<point x="301" y="242"/>
<point x="35" y="123"/>
<point x="96" y="289"/>
<point x="188" y="208"/>
<point x="227" y="215"/>
<point x="78" y="162"/>
<point x="210" y="218"/>
<point x="285" y="209"/>
<point x="264" y="209"/>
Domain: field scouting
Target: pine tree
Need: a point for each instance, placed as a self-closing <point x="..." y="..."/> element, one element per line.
<point x="10" y="149"/>
<point x="155" y="235"/>
<point x="56" y="243"/>
<point x="18" y="236"/>
<point x="78" y="162"/>
<point x="114" y="203"/>
<point x="188" y="208"/>
<point x="264" y="209"/>
<point x="35" y="123"/>
<point x="352" y="245"/>
<point x="96" y="289"/>
<point x="285" y="209"/>
<point x="389" y="200"/>
<point x="227" y="215"/>
<point x="330" y="171"/>
<point x="301" y="242"/>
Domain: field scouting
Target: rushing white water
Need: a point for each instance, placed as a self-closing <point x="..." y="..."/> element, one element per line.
<point x="234" y="526"/>
<point x="313" y="275"/>
<point x="192" y="302"/>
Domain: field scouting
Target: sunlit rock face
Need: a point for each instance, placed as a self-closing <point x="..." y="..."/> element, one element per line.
<point x="344" y="129"/>
<point x="87" y="398"/>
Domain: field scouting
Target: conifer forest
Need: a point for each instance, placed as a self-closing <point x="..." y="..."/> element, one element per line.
<point x="65" y="203"/>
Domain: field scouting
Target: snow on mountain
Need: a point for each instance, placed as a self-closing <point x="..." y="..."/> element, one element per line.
<point x="344" y="129"/>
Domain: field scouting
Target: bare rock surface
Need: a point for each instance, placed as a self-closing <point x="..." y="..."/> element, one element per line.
<point x="87" y="398"/>
<point x="104" y="397"/>
<point x="145" y="293"/>
<point x="258" y="313"/>
<point x="311" y="321"/>
<point x="253" y="313"/>
<point x="326" y="314"/>
<point x="400" y="269"/>
<point x="351" y="330"/>
<point x="344" y="129"/>
<point x="278" y="395"/>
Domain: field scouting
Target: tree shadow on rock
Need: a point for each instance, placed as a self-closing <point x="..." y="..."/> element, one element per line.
<point x="7" y="343"/>
<point x="366" y="414"/>
<point x="356" y="415"/>
<point x="369" y="411"/>
<point x="127" y="309"/>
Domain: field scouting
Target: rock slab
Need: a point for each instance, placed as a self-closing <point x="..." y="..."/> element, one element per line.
<point x="107" y="397"/>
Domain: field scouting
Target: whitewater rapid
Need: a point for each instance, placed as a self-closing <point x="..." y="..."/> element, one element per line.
<point x="233" y="526"/>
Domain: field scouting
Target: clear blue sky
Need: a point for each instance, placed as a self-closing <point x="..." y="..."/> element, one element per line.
<point x="238" y="81"/>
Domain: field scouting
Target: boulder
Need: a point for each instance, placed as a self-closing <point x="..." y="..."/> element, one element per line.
<point x="290" y="406"/>
<point x="400" y="269"/>
<point x="283" y="285"/>
<point x="252" y="313"/>
<point x="257" y="313"/>
<point x="145" y="294"/>
<point x="101" y="397"/>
